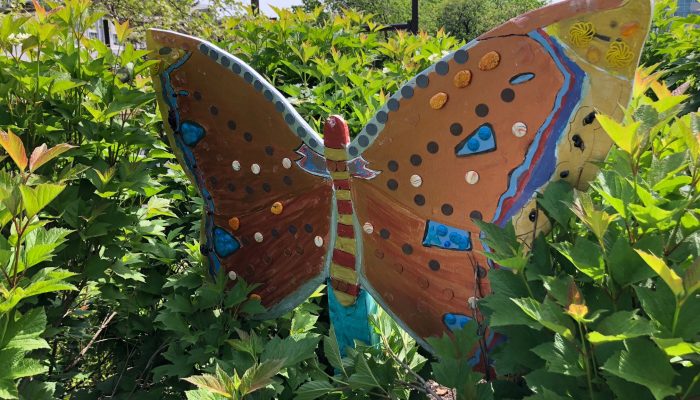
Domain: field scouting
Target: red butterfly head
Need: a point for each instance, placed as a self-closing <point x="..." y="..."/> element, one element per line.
<point x="336" y="134"/>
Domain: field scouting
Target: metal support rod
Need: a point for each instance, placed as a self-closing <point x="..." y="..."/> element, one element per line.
<point x="255" y="5"/>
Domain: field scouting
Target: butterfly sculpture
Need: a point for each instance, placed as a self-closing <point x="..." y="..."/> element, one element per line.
<point x="388" y="216"/>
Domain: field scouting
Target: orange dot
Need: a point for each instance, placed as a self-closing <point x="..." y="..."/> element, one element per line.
<point x="489" y="61"/>
<point x="629" y="29"/>
<point x="234" y="223"/>
<point x="438" y="101"/>
<point x="276" y="208"/>
<point x="254" y="296"/>
<point x="462" y="78"/>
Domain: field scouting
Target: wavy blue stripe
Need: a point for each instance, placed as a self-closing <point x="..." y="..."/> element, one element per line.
<point x="543" y="169"/>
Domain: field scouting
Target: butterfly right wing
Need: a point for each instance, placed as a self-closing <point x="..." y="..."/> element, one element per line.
<point x="475" y="137"/>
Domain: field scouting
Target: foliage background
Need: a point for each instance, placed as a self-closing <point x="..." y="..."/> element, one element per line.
<point x="135" y="311"/>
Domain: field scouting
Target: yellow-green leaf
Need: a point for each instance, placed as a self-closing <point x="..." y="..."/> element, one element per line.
<point x="624" y="136"/>
<point x="15" y="148"/>
<point x="667" y="274"/>
<point x="35" y="199"/>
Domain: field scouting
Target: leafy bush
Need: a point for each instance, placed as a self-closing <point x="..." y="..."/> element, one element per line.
<point x="132" y="311"/>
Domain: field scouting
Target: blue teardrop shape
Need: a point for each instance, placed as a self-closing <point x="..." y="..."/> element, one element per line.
<point x="485" y="132"/>
<point x="473" y="144"/>
<point x="224" y="243"/>
<point x="442" y="230"/>
<point x="191" y="133"/>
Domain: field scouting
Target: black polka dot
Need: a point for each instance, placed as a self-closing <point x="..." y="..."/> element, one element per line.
<point x="258" y="85"/>
<point x="268" y="95"/>
<point x="613" y="24"/>
<point x="578" y="142"/>
<point x="248" y="77"/>
<point x="371" y="129"/>
<point x="461" y="56"/>
<point x="301" y="132"/>
<point x="456" y="129"/>
<point x="432" y="147"/>
<point x="236" y="68"/>
<point x="289" y="118"/>
<point x="164" y="51"/>
<point x="266" y="187"/>
<point x="407" y="92"/>
<point x="363" y="141"/>
<point x="269" y="150"/>
<point x="447" y="209"/>
<point x="313" y="142"/>
<point x="434" y="265"/>
<point x="507" y="95"/>
<point x="382" y="117"/>
<point x="476" y="215"/>
<point x="248" y="137"/>
<point x="308" y="228"/>
<point x="393" y="104"/>
<point x="481" y="271"/>
<point x="393" y="166"/>
<point x="392" y="184"/>
<point x="213" y="110"/>
<point x="407" y="249"/>
<point x="249" y="190"/>
<point x="564" y="174"/>
<point x="275" y="233"/>
<point x="588" y="119"/>
<point x="482" y="110"/>
<point x="213" y="181"/>
<point x="287" y="180"/>
<point x="442" y="68"/>
<point x="352" y="150"/>
<point x="532" y="216"/>
<point x="292" y="229"/>
<point x="231" y="125"/>
<point x="416" y="160"/>
<point x="197" y="96"/>
<point x="422" y="81"/>
<point x="384" y="234"/>
<point x="419" y="199"/>
<point x="279" y="106"/>
<point x="231" y="187"/>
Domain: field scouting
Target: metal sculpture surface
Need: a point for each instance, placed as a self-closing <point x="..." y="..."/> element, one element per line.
<point x="389" y="215"/>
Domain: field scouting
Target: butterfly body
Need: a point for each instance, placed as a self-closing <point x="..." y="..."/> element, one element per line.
<point x="390" y="214"/>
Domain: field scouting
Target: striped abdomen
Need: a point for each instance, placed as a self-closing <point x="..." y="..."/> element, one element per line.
<point x="343" y="274"/>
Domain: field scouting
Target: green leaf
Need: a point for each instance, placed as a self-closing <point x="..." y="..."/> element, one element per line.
<point x="210" y="383"/>
<point x="586" y="256"/>
<point x="548" y="314"/>
<point x="626" y="266"/>
<point x="332" y="351"/>
<point x="25" y="332"/>
<point x="260" y="375"/>
<point x="677" y="347"/>
<point x="645" y="364"/>
<point x="36" y="198"/>
<point x="37" y="390"/>
<point x="363" y="378"/>
<point x="621" y="325"/>
<point x="624" y="136"/>
<point x="674" y="282"/>
<point x="293" y="349"/>
<point x="562" y="357"/>
<point x="691" y="278"/>
<point x="313" y="390"/>
<point x="556" y="201"/>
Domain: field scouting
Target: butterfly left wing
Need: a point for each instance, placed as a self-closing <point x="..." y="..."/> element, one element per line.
<point x="475" y="137"/>
<point x="256" y="163"/>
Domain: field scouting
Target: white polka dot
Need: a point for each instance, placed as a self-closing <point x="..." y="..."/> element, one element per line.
<point x="258" y="237"/>
<point x="472" y="177"/>
<point x="232" y="275"/>
<point x="368" y="228"/>
<point x="287" y="163"/>
<point x="236" y="165"/>
<point x="416" y="181"/>
<point x="472" y="302"/>
<point x="318" y="241"/>
<point x="519" y="129"/>
<point x="255" y="168"/>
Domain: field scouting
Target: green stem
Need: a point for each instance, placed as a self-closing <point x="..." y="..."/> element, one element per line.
<point x="586" y="360"/>
<point x="676" y="314"/>
<point x="527" y="286"/>
<point x="690" y="388"/>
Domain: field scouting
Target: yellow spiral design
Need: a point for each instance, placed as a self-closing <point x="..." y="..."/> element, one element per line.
<point x="581" y="33"/>
<point x="619" y="54"/>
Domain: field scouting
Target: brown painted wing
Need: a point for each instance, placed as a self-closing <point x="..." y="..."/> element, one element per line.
<point x="267" y="219"/>
<point x="475" y="137"/>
